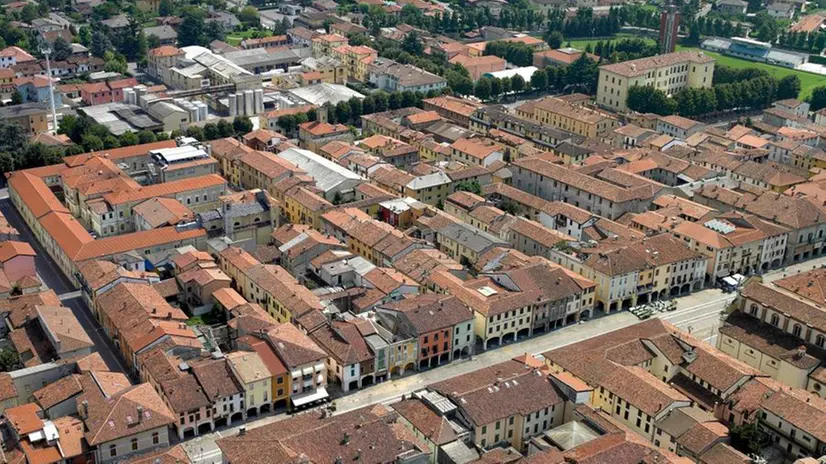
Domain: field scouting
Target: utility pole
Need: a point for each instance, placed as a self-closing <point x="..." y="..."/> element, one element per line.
<point x="46" y="50"/>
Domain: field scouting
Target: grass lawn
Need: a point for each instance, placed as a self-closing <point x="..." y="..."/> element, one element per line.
<point x="236" y="37"/>
<point x="808" y="81"/>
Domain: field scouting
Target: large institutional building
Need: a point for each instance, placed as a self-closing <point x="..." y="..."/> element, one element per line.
<point x="669" y="73"/>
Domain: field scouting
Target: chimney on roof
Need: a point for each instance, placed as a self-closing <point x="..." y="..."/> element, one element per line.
<point x="345" y="439"/>
<point x="358" y="454"/>
<point x="84" y="409"/>
<point x="801" y="351"/>
<point x="140" y="414"/>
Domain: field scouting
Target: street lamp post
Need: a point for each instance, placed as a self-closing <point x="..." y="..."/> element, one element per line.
<point x="46" y="50"/>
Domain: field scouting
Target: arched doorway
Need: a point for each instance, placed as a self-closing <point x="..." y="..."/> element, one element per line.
<point x="189" y="432"/>
<point x="221" y="422"/>
<point x="204" y="428"/>
<point x="252" y="412"/>
<point x="408" y="367"/>
<point x="353" y="385"/>
<point x="265" y="408"/>
<point x="508" y="337"/>
<point x="237" y="417"/>
<point x="524" y="333"/>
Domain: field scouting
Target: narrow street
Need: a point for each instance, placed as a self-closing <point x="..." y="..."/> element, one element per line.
<point x="53" y="278"/>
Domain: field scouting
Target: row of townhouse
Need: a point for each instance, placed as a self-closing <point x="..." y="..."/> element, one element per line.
<point x="733" y="242"/>
<point x="660" y="383"/>
<point x="273" y="367"/>
<point x="609" y="193"/>
<point x="653" y="268"/>
<point x="73" y="66"/>
<point x="803" y="218"/>
<point x="638" y="270"/>
<point x="268" y="285"/>
<point x="518" y="302"/>
<point x="376" y="241"/>
<point x="568" y="116"/>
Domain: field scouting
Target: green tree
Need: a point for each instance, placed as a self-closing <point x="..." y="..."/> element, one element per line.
<point x="225" y="129"/>
<point x="6" y="162"/>
<point x="110" y="141"/>
<point x="495" y="87"/>
<point x="287" y="123"/>
<point x="191" y="30"/>
<point x="249" y="16"/>
<point x="482" y="90"/>
<point x="211" y="131"/>
<point x="506" y="85"/>
<point x="242" y="125"/>
<point x="647" y="99"/>
<point x="469" y="186"/>
<point x="146" y="136"/>
<point x="114" y="62"/>
<point x="16" y="98"/>
<point x="554" y="39"/>
<point x="166" y="8"/>
<point x="61" y="49"/>
<point x="539" y="80"/>
<point x="409" y="99"/>
<point x="517" y="83"/>
<point x="9" y="360"/>
<point x="381" y="101"/>
<point x="343" y="112"/>
<point x="128" y="139"/>
<point x="84" y="35"/>
<point x="745" y="438"/>
<point x="818" y="98"/>
<point x="196" y="132"/>
<point x="788" y="87"/>
<point x="412" y="44"/>
<point x="100" y="44"/>
<point x="395" y="100"/>
<point x="153" y="42"/>
<point x="214" y="30"/>
<point x="356" y="109"/>
<point x="29" y="13"/>
<point x="92" y="142"/>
